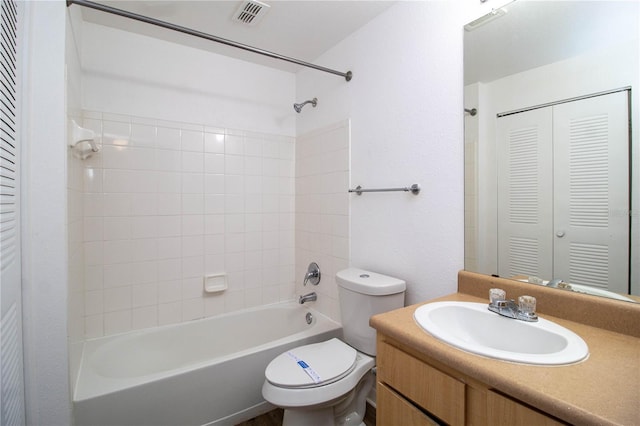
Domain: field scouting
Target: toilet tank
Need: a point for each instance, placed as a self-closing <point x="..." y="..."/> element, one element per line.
<point x="363" y="294"/>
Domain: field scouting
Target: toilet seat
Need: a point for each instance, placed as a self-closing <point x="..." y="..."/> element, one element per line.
<point x="313" y="365"/>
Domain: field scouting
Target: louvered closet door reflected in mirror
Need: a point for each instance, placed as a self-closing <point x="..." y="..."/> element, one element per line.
<point x="563" y="192"/>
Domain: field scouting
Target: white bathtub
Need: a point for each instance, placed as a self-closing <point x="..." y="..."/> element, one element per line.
<point x="208" y="371"/>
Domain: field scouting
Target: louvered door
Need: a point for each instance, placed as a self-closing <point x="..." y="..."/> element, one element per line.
<point x="11" y="377"/>
<point x="563" y="192"/>
<point x="591" y="188"/>
<point x="525" y="242"/>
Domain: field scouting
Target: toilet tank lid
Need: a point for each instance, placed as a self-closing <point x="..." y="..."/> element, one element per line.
<point x="371" y="283"/>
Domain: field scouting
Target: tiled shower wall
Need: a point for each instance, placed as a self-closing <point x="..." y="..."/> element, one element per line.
<point x="167" y="203"/>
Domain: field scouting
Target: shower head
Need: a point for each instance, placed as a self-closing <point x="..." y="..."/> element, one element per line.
<point x="298" y="107"/>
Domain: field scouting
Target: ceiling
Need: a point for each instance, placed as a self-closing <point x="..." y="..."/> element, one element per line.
<point x="300" y="29"/>
<point x="536" y="33"/>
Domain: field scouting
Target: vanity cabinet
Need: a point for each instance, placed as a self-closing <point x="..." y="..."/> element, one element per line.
<point x="413" y="389"/>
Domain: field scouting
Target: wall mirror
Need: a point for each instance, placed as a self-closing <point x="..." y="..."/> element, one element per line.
<point x="551" y="145"/>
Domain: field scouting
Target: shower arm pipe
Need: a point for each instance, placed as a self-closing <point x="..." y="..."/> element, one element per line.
<point x="108" y="9"/>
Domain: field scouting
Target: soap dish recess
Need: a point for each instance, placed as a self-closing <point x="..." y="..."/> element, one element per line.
<point x="215" y="283"/>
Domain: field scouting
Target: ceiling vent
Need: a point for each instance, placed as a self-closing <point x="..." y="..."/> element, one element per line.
<point x="251" y="12"/>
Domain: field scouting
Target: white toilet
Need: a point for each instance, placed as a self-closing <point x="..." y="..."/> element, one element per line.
<point x="327" y="383"/>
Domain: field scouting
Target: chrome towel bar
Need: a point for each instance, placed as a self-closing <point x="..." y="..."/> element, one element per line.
<point x="414" y="189"/>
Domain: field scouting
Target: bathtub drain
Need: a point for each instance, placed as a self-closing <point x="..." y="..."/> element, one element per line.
<point x="309" y="318"/>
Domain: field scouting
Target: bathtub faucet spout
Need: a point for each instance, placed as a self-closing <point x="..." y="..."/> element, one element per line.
<point x="311" y="297"/>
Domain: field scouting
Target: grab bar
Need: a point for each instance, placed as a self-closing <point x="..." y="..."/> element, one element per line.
<point x="414" y="189"/>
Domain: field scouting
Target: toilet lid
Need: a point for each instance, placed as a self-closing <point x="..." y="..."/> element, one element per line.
<point x="312" y="365"/>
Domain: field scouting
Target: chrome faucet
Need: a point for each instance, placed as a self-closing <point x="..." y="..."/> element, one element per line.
<point x="311" y="297"/>
<point x="558" y="283"/>
<point x="313" y="274"/>
<point x="524" y="310"/>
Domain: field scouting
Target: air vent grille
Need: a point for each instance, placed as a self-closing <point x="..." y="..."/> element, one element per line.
<point x="251" y="12"/>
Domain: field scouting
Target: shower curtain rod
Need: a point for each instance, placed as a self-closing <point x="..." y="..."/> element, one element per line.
<point x="108" y="9"/>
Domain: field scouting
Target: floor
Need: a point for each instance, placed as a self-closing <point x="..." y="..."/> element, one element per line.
<point x="274" y="418"/>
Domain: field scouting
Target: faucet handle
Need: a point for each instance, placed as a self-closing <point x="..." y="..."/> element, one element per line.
<point x="313" y="274"/>
<point x="527" y="304"/>
<point x="496" y="295"/>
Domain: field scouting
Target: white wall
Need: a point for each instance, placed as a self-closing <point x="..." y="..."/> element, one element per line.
<point x="126" y="73"/>
<point x="44" y="226"/>
<point x="405" y="106"/>
<point x="405" y="103"/>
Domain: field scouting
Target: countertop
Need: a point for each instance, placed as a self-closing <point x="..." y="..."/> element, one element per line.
<point x="603" y="389"/>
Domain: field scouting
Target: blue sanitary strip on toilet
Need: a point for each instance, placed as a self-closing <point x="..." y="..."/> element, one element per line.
<point x="310" y="371"/>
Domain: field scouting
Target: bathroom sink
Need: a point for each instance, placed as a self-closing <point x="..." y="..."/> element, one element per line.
<point x="473" y="328"/>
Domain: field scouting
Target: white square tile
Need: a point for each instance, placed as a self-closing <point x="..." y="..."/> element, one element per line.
<point x="116" y="204"/>
<point x="169" y="226"/>
<point x="214" y="184"/>
<point x="192" y="162"/>
<point x="192" y="141"/>
<point x="214" y="244"/>
<point x="169" y="247"/>
<point x="93" y="302"/>
<point x="93" y="326"/>
<point x="94" y="253"/>
<point x="192" y="287"/>
<point x="233" y="164"/>
<point x="214" y="142"/>
<point x="117" y="299"/>
<point x="167" y="160"/>
<point x="144" y="227"/>
<point x="233" y="145"/>
<point x="192" y="309"/>
<point x="234" y="184"/>
<point x="234" y="300"/>
<point x="193" y="225"/>
<point x="233" y="223"/>
<point x="234" y="262"/>
<point x="168" y="138"/>
<point x="169" y="204"/>
<point x="144" y="317"/>
<point x="117" y="275"/>
<point x="192" y="204"/>
<point x="252" y="166"/>
<point x="192" y="246"/>
<point x="253" y="147"/>
<point x="143" y="135"/>
<point x="144" y="272"/>
<point x="117" y="228"/>
<point x="214" y="163"/>
<point x="144" y="250"/>
<point x="214" y="204"/>
<point x="144" y="204"/>
<point x="93" y="228"/>
<point x="169" y="313"/>
<point x="168" y="182"/>
<point x="213" y="305"/>
<point x="93" y="205"/>
<point x="170" y="269"/>
<point x="169" y="291"/>
<point x="93" y="180"/>
<point x="193" y="267"/>
<point x="144" y="295"/>
<point x="214" y="264"/>
<point x="233" y="203"/>
<point x="192" y="183"/>
<point x="117" y="251"/>
<point x="234" y="243"/>
<point x="214" y="224"/>
<point x="93" y="277"/>
<point x="115" y="133"/>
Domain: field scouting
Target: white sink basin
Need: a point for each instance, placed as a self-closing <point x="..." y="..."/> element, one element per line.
<point x="473" y="328"/>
